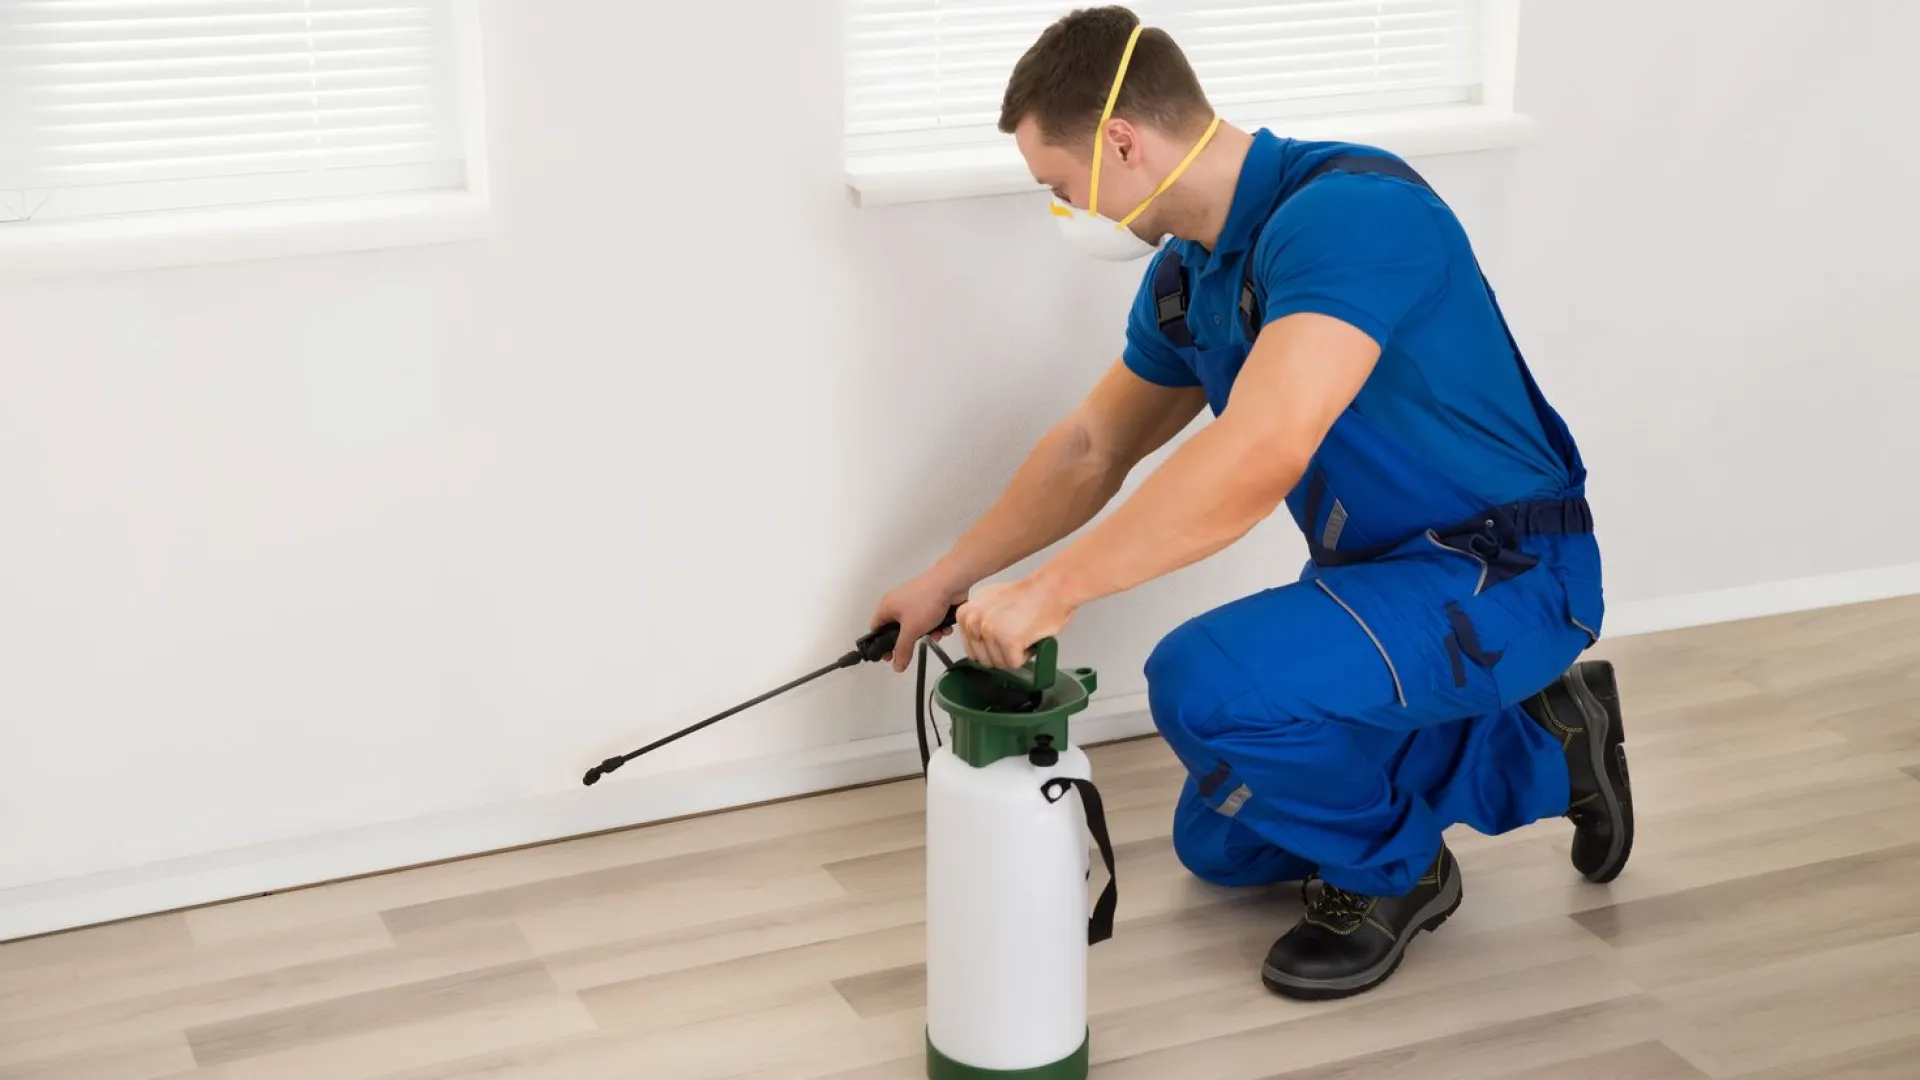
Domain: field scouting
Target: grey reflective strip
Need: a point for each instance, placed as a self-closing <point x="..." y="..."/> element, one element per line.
<point x="1231" y="804"/>
<point x="1399" y="693"/>
<point x="1584" y="626"/>
<point x="1336" y="523"/>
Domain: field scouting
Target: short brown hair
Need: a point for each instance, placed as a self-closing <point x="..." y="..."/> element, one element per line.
<point x="1064" y="78"/>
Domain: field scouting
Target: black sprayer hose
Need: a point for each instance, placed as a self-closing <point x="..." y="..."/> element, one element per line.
<point x="920" y="707"/>
<point x="921" y="702"/>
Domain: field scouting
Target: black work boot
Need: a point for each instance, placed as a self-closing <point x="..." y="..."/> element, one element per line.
<point x="1347" y="943"/>
<point x="1581" y="709"/>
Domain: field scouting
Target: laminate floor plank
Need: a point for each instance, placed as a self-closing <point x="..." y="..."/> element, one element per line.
<point x="96" y="1059"/>
<point x="213" y="995"/>
<point x="66" y="952"/>
<point x="1804" y="1008"/>
<point x="1874" y="1061"/>
<point x="118" y="987"/>
<point x="1641" y="1061"/>
<point x="1596" y="1041"/>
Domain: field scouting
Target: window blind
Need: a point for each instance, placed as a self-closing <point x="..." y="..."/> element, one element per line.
<point x="937" y="68"/>
<point x="116" y="106"/>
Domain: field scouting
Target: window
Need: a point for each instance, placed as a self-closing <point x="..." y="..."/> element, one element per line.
<point x="924" y="78"/>
<point x="116" y="107"/>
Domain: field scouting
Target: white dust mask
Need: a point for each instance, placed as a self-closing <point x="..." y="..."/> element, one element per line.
<point x="1097" y="235"/>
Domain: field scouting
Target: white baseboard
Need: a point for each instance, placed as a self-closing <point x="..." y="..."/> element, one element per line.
<point x="1758" y="601"/>
<point x="204" y="879"/>
<point x="83" y="901"/>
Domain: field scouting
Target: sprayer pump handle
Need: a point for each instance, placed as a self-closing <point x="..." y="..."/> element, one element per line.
<point x="882" y="641"/>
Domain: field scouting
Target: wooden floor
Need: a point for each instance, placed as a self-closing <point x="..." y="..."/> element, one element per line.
<point x="1767" y="927"/>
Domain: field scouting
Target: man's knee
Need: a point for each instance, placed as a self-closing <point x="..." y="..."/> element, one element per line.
<point x="1189" y="678"/>
<point x="1214" y="856"/>
<point x="1221" y="851"/>
<point x="1207" y="860"/>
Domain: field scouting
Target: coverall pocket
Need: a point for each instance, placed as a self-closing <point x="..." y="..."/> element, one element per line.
<point x="1463" y="655"/>
<point x="1529" y="625"/>
<point x="1407" y="607"/>
<point x="1494" y="561"/>
<point x="1464" y="646"/>
<point x="1586" y="609"/>
<point x="1578" y="572"/>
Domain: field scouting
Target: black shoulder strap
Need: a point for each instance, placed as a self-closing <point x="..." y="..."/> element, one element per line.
<point x="1170" y="299"/>
<point x="1100" y="925"/>
<point x="1368" y="163"/>
<point x="1252" y="304"/>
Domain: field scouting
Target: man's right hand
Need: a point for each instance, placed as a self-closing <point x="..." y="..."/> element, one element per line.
<point x="918" y="606"/>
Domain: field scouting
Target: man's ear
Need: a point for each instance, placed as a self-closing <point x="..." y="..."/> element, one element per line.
<point x="1126" y="141"/>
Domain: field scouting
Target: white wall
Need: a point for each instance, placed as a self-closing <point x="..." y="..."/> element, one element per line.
<point x="305" y="546"/>
<point x="1713" y="253"/>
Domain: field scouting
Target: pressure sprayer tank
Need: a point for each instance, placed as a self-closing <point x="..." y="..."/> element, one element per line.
<point x="1010" y="812"/>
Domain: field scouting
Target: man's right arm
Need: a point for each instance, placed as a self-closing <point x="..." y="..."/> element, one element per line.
<point x="1074" y="471"/>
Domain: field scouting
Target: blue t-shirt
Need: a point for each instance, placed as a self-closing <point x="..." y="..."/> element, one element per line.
<point x="1388" y="257"/>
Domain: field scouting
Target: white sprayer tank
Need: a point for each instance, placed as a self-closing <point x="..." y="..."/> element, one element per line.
<point x="1008" y="880"/>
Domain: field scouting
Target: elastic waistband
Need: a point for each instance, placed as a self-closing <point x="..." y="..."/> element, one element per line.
<point x="1495" y="536"/>
<point x="1531" y="517"/>
<point x="1500" y="526"/>
<point x="1546" y="517"/>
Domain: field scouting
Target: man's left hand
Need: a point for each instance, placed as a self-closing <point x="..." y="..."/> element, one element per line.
<point x="1001" y="622"/>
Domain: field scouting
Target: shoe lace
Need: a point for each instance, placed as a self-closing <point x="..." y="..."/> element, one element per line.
<point x="1589" y="812"/>
<point x="1333" y="904"/>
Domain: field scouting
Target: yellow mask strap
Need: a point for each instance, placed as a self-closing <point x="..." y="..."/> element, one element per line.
<point x="1175" y="174"/>
<point x="1106" y="114"/>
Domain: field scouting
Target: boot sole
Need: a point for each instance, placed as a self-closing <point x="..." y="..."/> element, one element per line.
<point x="1437" y="911"/>
<point x="1606" y="738"/>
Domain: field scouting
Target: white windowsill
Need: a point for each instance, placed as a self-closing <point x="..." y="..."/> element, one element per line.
<point x="34" y="249"/>
<point x="887" y="178"/>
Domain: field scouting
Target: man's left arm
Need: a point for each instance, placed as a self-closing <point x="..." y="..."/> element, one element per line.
<point x="1303" y="371"/>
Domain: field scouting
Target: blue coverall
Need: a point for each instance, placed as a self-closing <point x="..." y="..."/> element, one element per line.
<point x="1339" y="723"/>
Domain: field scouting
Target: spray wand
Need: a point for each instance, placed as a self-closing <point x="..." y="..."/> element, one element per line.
<point x="876" y="644"/>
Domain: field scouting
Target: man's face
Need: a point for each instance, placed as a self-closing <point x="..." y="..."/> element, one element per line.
<point x="1069" y="174"/>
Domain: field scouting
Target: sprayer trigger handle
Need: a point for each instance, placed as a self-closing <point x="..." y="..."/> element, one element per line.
<point x="880" y="642"/>
<point x="1044" y="659"/>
